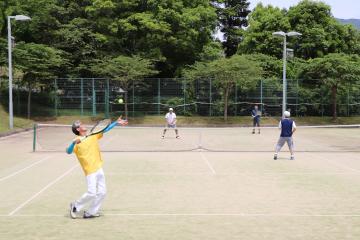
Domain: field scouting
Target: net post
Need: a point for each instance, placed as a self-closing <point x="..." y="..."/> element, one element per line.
<point x="107" y="88"/>
<point x="82" y="96"/>
<point x="93" y="98"/>
<point x="34" y="137"/>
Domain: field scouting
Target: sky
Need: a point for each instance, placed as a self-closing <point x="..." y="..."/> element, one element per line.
<point x="340" y="8"/>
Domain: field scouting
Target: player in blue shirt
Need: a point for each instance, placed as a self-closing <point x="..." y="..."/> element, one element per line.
<point x="288" y="127"/>
<point x="256" y="114"/>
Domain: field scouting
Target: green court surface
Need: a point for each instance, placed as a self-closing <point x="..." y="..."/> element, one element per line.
<point x="231" y="192"/>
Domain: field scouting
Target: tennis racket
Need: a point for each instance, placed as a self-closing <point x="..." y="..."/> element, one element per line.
<point x="99" y="127"/>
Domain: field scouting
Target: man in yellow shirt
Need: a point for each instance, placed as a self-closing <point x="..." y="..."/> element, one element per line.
<point x="88" y="153"/>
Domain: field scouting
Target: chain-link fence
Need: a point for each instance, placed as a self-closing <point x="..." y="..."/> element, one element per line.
<point x="94" y="96"/>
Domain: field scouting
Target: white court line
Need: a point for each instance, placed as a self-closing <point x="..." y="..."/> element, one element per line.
<point x="24" y="169"/>
<point x="16" y="134"/>
<point x="226" y="174"/>
<point x="194" y="215"/>
<point x="42" y="190"/>
<point x="208" y="163"/>
<point x="336" y="164"/>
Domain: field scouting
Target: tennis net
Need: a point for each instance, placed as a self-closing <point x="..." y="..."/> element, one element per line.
<point x="329" y="138"/>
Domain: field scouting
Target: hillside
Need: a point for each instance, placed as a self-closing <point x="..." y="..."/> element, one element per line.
<point x="354" y="22"/>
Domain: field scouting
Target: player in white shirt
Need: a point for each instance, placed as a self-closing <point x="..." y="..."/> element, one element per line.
<point x="171" y="122"/>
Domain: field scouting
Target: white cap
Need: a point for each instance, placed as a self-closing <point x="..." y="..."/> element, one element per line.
<point x="170" y="109"/>
<point x="287" y="114"/>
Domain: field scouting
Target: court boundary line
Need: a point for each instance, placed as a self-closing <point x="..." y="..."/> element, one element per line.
<point x="221" y="127"/>
<point x="16" y="133"/>
<point x="189" y="215"/>
<point x="229" y="174"/>
<point x="25" y="168"/>
<point x="208" y="163"/>
<point x="42" y="190"/>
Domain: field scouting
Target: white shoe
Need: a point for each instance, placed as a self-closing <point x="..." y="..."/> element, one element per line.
<point x="73" y="211"/>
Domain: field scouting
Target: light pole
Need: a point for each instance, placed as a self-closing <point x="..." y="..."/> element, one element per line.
<point x="285" y="35"/>
<point x="17" y="18"/>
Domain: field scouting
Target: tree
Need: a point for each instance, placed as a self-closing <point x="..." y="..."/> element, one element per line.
<point x="171" y="32"/>
<point x="128" y="71"/>
<point x="258" y="38"/>
<point x="334" y="71"/>
<point x="37" y="62"/>
<point x="232" y="15"/>
<point x="322" y="33"/>
<point x="227" y="73"/>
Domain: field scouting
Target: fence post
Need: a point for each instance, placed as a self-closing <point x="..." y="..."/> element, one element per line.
<point x="107" y="90"/>
<point x="133" y="99"/>
<point x="18" y="101"/>
<point x="184" y="92"/>
<point x="159" y="99"/>
<point x="210" y="98"/>
<point x="261" y="96"/>
<point x="236" y="97"/>
<point x="55" y="97"/>
<point x="297" y="98"/>
<point x="93" y="98"/>
<point x="348" y="101"/>
<point x="82" y="96"/>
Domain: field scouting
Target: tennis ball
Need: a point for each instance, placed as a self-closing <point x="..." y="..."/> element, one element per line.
<point x="120" y="101"/>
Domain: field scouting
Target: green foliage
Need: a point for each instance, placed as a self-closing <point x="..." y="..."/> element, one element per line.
<point x="322" y="33"/>
<point x="124" y="69"/>
<point x="37" y="61"/>
<point x="263" y="21"/>
<point x="334" y="71"/>
<point x="127" y="71"/>
<point x="271" y="66"/>
<point x="238" y="70"/>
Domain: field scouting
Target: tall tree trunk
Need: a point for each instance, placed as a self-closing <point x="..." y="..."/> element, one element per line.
<point x="226" y="102"/>
<point x="334" y="100"/>
<point x="29" y="101"/>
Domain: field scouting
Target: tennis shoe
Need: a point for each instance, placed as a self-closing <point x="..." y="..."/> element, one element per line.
<point x="275" y="157"/>
<point x="73" y="210"/>
<point x="88" y="215"/>
<point x="292" y="158"/>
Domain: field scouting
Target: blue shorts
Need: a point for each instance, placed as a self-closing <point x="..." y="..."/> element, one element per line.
<point x="256" y="121"/>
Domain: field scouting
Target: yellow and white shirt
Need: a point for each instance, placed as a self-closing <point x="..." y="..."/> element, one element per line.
<point x="88" y="154"/>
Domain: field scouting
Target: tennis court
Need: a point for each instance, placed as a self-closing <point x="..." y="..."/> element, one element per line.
<point x="213" y="183"/>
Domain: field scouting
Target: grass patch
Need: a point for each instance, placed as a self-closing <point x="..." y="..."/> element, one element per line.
<point x="19" y="123"/>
